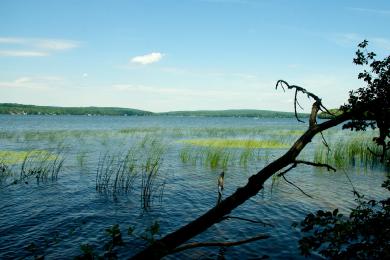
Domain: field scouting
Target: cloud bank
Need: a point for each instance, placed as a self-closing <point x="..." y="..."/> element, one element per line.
<point x="33" y="47"/>
<point x="147" y="58"/>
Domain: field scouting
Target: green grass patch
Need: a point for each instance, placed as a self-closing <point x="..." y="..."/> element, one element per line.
<point x="16" y="157"/>
<point x="236" y="143"/>
<point x="358" y="150"/>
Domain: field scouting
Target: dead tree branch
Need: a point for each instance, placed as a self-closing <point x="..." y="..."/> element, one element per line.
<point x="327" y="166"/>
<point x="255" y="183"/>
<point x="280" y="174"/>
<point x="294" y="185"/>
<point x="298" y="89"/>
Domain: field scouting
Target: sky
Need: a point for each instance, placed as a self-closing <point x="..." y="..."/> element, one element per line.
<point x="166" y="55"/>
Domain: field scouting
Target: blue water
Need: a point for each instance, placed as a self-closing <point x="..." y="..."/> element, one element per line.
<point x="54" y="218"/>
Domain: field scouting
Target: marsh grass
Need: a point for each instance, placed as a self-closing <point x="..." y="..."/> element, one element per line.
<point x="209" y="132"/>
<point x="237" y="143"/>
<point x="5" y="172"/>
<point x="150" y="184"/>
<point x="116" y="174"/>
<point x="221" y="153"/>
<point x="17" y="157"/>
<point x="356" y="151"/>
<point x="19" y="166"/>
<point x="139" y="167"/>
<point x="81" y="158"/>
<point x="44" y="167"/>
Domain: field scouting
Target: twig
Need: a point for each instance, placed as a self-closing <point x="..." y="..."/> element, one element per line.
<point x="218" y="244"/>
<point x="317" y="165"/>
<point x="325" y="142"/>
<point x="249" y="220"/>
<point x="287" y="170"/>
<point x="304" y="91"/>
<point x="291" y="183"/>
<point x="295" y="106"/>
<point x="355" y="192"/>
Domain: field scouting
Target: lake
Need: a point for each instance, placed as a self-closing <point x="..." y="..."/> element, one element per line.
<point x="67" y="179"/>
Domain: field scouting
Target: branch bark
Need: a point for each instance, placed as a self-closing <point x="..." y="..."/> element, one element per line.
<point x="167" y="244"/>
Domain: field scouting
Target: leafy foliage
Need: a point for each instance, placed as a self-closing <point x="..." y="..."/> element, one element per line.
<point x="365" y="234"/>
<point x="370" y="105"/>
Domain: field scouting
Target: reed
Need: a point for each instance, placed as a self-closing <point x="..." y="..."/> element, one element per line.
<point x="356" y="151"/>
<point x="139" y="168"/>
<point x="81" y="158"/>
<point x="149" y="180"/>
<point x="20" y="166"/>
<point x="116" y="174"/>
<point x="220" y="153"/>
<point x="44" y="166"/>
<point x="237" y="143"/>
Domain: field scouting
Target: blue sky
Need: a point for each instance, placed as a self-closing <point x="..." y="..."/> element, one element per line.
<point x="184" y="54"/>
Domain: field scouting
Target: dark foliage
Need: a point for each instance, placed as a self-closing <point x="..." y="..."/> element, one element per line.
<point x="370" y="105"/>
<point x="365" y="233"/>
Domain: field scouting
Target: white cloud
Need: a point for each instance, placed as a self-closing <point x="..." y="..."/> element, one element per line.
<point x="36" y="83"/>
<point x="11" y="40"/>
<point x="34" y="47"/>
<point x="53" y="44"/>
<point x="148" y="58"/>
<point x="372" y="11"/>
<point x="22" y="53"/>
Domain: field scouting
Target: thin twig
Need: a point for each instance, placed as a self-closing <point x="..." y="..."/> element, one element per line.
<point x="218" y="244"/>
<point x="304" y="91"/>
<point x="291" y="183"/>
<point x="317" y="165"/>
<point x="325" y="142"/>
<point x="287" y="170"/>
<point x="295" y="106"/>
<point x="353" y="187"/>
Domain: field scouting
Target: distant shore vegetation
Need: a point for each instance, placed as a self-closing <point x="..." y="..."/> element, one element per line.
<point x="20" y="109"/>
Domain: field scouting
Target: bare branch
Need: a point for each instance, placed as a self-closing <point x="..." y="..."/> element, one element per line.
<point x="295" y="106"/>
<point x="327" y="166"/>
<point x="288" y="169"/>
<point x="325" y="142"/>
<point x="291" y="183"/>
<point x="324" y="109"/>
<point x="355" y="192"/>
<point x="255" y="183"/>
<point x="218" y="244"/>
<point x="313" y="115"/>
<point x="321" y="107"/>
<point x="298" y="88"/>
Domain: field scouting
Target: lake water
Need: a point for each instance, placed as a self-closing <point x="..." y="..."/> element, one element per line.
<point x="54" y="218"/>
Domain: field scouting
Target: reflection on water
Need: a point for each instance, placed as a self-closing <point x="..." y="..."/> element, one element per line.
<point x="54" y="218"/>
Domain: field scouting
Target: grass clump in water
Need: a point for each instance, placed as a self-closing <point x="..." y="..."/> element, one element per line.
<point x="17" y="157"/>
<point x="220" y="153"/>
<point x="237" y="143"/>
<point x="356" y="151"/>
<point x="138" y="168"/>
<point x="19" y="166"/>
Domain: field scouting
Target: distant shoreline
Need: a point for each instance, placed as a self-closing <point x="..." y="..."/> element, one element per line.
<point x="20" y="109"/>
